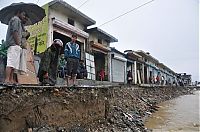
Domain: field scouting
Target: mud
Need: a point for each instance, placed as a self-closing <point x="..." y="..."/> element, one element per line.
<point x="93" y="109"/>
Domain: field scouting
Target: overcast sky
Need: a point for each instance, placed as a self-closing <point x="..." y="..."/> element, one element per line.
<point x="168" y="29"/>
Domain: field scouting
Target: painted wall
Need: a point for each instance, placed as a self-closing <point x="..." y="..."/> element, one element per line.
<point x="63" y="17"/>
<point x="39" y="30"/>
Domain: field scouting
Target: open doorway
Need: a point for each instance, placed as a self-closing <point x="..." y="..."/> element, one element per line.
<point x="99" y="60"/>
<point x="65" y="40"/>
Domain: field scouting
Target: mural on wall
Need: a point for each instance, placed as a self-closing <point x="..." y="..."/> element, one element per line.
<point x="38" y="33"/>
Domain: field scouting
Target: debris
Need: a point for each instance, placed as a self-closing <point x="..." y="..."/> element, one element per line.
<point x="125" y="109"/>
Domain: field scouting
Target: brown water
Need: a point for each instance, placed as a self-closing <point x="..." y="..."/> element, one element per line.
<point x="181" y="114"/>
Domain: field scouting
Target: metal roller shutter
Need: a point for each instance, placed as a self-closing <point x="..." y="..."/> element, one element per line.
<point x="118" y="71"/>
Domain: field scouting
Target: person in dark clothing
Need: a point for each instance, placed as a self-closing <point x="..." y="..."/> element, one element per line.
<point x="48" y="68"/>
<point x="129" y="77"/>
<point x="72" y="55"/>
<point x="62" y="66"/>
<point x="82" y="71"/>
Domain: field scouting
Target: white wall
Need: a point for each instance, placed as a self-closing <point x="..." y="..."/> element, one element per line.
<point x="94" y="37"/>
<point x="63" y="18"/>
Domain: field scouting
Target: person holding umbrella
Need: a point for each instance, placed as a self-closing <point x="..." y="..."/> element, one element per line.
<point x="13" y="41"/>
<point x="13" y="16"/>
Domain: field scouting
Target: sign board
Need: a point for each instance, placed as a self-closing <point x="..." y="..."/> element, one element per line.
<point x="40" y="31"/>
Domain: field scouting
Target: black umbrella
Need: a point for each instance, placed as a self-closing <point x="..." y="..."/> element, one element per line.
<point x="35" y="13"/>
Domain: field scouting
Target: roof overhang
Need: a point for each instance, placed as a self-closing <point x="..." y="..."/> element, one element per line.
<point x="161" y="65"/>
<point x="72" y="12"/>
<point x="132" y="55"/>
<point x="147" y="56"/>
<point x="68" y="27"/>
<point x="102" y="34"/>
<point x="100" y="47"/>
<point x="116" y="51"/>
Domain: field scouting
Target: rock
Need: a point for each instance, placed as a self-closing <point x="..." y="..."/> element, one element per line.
<point x="30" y="130"/>
<point x="77" y="129"/>
<point x="56" y="90"/>
<point x="111" y="120"/>
<point x="60" y="129"/>
<point x="196" y="125"/>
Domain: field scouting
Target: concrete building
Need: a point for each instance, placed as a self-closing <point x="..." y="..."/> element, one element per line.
<point x="168" y="75"/>
<point x="135" y="65"/>
<point x="187" y="79"/>
<point x="61" y="21"/>
<point x="155" y="72"/>
<point x="99" y="47"/>
<point x="149" y="69"/>
<point x="118" y="66"/>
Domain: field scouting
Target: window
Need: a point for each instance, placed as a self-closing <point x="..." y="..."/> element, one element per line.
<point x="100" y="41"/>
<point x="71" y="21"/>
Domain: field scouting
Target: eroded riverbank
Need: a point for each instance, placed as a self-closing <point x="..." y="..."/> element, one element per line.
<point x="110" y="109"/>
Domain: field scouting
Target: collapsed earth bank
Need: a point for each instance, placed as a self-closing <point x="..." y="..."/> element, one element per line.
<point x="86" y="109"/>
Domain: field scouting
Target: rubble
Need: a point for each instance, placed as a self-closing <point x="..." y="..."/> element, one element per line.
<point x="57" y="109"/>
<point x="129" y="107"/>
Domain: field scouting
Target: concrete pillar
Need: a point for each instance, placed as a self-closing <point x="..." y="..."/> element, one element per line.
<point x="142" y="74"/>
<point x="135" y="72"/>
<point x="106" y="64"/>
<point x="109" y="68"/>
<point x="125" y="72"/>
<point x="148" y="74"/>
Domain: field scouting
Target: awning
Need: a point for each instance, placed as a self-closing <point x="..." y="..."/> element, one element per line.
<point x="68" y="27"/>
<point x="100" y="47"/>
<point x="98" y="50"/>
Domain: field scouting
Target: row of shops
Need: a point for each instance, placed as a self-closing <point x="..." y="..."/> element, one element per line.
<point x="62" y="20"/>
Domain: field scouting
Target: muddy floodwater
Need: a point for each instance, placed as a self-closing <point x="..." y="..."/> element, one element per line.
<point x="181" y="114"/>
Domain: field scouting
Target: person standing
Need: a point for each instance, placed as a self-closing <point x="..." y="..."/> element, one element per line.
<point x="62" y="66"/>
<point x="23" y="56"/>
<point x="13" y="42"/>
<point x="82" y="71"/>
<point x="48" y="68"/>
<point x="102" y="74"/>
<point x="72" y="55"/>
<point x="129" y="77"/>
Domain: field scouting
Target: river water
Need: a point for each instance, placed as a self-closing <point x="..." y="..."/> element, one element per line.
<point x="181" y="114"/>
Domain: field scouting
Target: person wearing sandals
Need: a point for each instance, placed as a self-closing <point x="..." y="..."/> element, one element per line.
<point x="13" y="42"/>
<point x="48" y="68"/>
<point x="72" y="55"/>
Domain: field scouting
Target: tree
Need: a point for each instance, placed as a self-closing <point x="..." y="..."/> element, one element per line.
<point x="3" y="49"/>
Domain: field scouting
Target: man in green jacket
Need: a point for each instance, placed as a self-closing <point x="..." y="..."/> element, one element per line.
<point x="48" y="68"/>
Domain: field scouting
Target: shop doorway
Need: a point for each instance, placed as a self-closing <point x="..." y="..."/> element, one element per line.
<point x="65" y="40"/>
<point x="99" y="60"/>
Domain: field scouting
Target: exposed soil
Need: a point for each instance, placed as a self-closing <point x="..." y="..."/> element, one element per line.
<point x="109" y="109"/>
